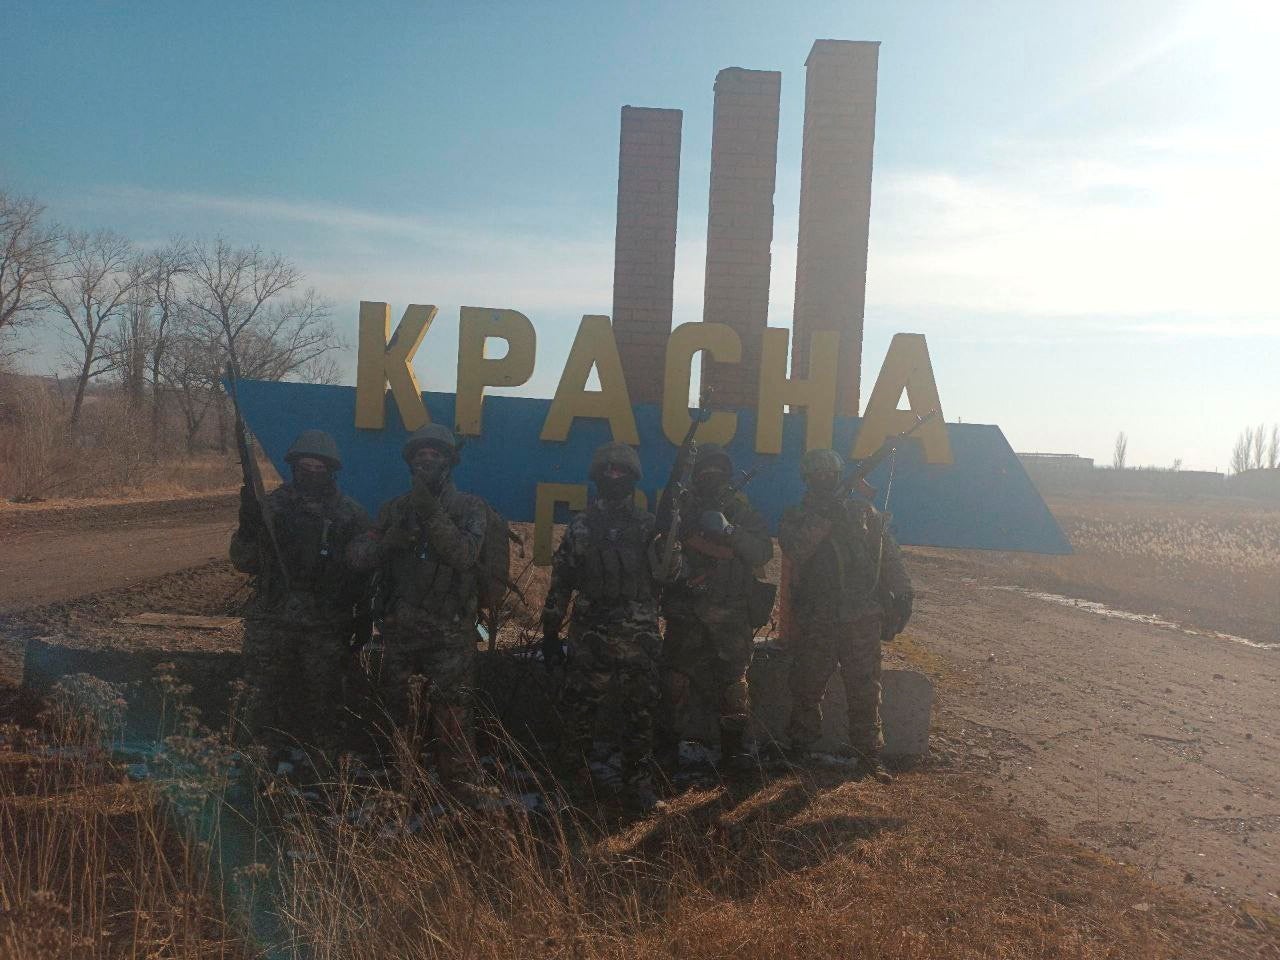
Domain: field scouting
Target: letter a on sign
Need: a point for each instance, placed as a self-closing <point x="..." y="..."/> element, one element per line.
<point x="594" y="346"/>
<point x="386" y="358"/>
<point x="906" y="367"/>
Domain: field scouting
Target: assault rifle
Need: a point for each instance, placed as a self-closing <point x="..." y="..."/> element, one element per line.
<point x="252" y="474"/>
<point x="868" y="465"/>
<point x="676" y="492"/>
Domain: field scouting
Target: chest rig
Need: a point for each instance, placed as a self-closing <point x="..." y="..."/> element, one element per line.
<point x="421" y="577"/>
<point x="843" y="572"/>
<point x="615" y="566"/>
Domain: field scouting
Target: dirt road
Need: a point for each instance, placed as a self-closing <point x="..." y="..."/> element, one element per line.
<point x="1156" y="746"/>
<point x="59" y="554"/>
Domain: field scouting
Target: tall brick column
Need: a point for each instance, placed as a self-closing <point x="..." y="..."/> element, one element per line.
<point x="835" y="205"/>
<point x="644" y="253"/>
<point x="744" y="158"/>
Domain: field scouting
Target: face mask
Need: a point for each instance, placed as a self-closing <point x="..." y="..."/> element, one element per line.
<point x="432" y="466"/>
<point x="315" y="484"/>
<point x="616" y="489"/>
<point x="433" y="474"/>
<point x="823" y="484"/>
<point x="708" y="482"/>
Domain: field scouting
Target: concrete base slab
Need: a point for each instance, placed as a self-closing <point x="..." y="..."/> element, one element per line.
<point x="514" y="689"/>
<point x="209" y="673"/>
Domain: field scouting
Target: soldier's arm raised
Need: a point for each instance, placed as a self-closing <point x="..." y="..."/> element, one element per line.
<point x="457" y="543"/>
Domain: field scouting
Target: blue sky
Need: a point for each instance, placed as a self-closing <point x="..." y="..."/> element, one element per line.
<point x="1076" y="202"/>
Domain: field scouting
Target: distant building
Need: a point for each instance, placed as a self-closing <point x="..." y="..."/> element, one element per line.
<point x="1067" y="473"/>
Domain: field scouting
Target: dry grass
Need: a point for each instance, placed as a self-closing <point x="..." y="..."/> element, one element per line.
<point x="1211" y="564"/>
<point x="801" y="865"/>
<point x="92" y="865"/>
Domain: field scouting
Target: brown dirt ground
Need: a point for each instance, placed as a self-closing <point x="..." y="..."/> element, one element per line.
<point x="1153" y="747"/>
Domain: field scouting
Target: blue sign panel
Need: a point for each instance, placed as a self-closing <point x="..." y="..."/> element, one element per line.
<point x="984" y="500"/>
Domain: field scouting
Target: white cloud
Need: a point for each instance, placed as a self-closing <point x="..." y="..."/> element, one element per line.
<point x="1176" y="234"/>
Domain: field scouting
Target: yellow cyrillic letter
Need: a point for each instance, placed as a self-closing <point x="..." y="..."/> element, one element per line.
<point x="906" y="367"/>
<point x="724" y="344"/>
<point x="384" y="358"/>
<point x="476" y="371"/>
<point x="546" y="496"/>
<point x="593" y="346"/>
<point x="817" y="393"/>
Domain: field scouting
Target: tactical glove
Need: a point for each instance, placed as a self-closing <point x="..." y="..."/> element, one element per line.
<point x="423" y="498"/>
<point x="905" y="601"/>
<point x="250" y="511"/>
<point x="552" y="649"/>
<point x="897" y="615"/>
<point x="715" y="523"/>
<point x="398" y="538"/>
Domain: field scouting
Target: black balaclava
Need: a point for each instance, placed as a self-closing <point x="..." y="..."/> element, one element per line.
<point x="615" y="490"/>
<point x="434" y="474"/>
<point x="709" y="481"/>
<point x="313" y="484"/>
<point x="823" y="483"/>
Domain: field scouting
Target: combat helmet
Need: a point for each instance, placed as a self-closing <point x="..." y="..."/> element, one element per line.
<point x="614" y="454"/>
<point x="815" y="461"/>
<point x="709" y="453"/>
<point x="315" y="443"/>
<point x="435" y="434"/>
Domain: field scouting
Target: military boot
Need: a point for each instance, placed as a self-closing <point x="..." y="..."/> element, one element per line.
<point x="637" y="795"/>
<point x="735" y="761"/>
<point x="870" y="767"/>
<point x="666" y="754"/>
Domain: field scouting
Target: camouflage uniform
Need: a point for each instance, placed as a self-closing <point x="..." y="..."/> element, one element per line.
<point x="709" y="635"/>
<point x="840" y="605"/>
<point x="296" y="639"/>
<point x="430" y="590"/>
<point x="603" y="564"/>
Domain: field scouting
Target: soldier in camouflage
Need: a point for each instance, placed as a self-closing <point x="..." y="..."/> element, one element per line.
<point x="707" y="646"/>
<point x="300" y="618"/>
<point x="604" y="565"/>
<point x="426" y="545"/>
<point x="850" y="592"/>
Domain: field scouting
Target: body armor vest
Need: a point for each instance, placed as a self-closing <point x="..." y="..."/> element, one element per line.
<point x="423" y="580"/>
<point x="312" y="538"/>
<point x="841" y="576"/>
<point x="615" y="566"/>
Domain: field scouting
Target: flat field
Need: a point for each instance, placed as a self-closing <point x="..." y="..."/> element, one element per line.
<point x="1209" y="564"/>
<point x="1098" y="787"/>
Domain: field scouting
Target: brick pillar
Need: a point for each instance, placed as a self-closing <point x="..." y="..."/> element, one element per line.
<point x="744" y="157"/>
<point x="835" y="206"/>
<point x="644" y="252"/>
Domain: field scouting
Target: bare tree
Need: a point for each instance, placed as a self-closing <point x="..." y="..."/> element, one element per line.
<point x="156" y="313"/>
<point x="28" y="250"/>
<point x="1273" y="448"/>
<point x="236" y="297"/>
<point x="1259" y="445"/>
<point x="189" y="370"/>
<point x="1240" y="453"/>
<point x="1120" y="452"/>
<point x="87" y="290"/>
<point x="236" y="293"/>
<point x="130" y="346"/>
